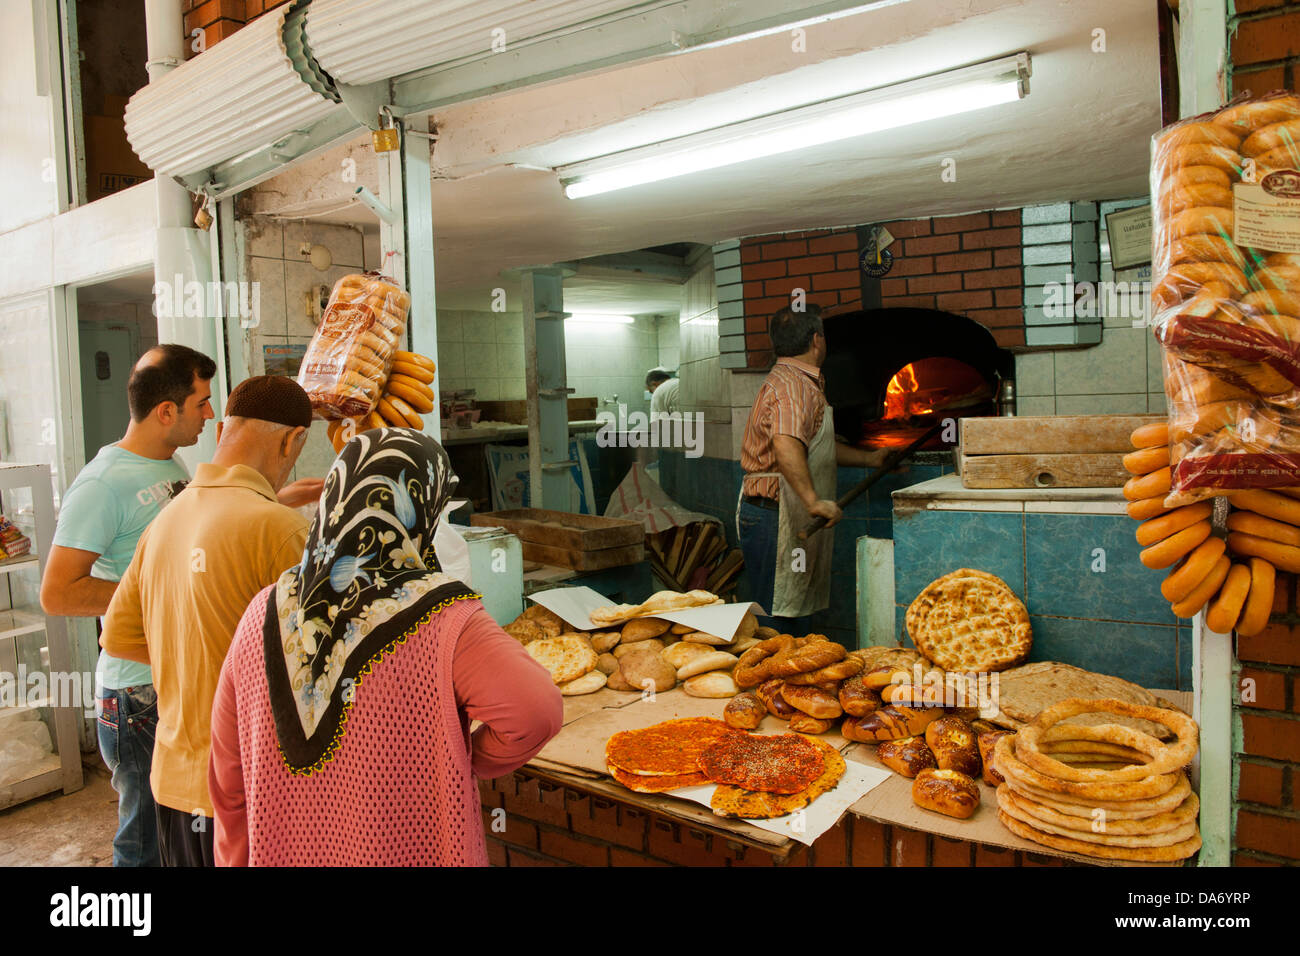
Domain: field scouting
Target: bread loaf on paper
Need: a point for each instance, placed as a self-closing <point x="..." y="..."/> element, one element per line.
<point x="347" y="362"/>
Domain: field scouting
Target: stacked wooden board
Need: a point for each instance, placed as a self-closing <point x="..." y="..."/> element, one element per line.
<point x="566" y="540"/>
<point x="1050" y="451"/>
<point x="695" y="556"/>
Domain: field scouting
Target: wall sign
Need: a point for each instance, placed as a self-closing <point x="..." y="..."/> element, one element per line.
<point x="284" y="359"/>
<point x="1129" y="232"/>
<point x="875" y="258"/>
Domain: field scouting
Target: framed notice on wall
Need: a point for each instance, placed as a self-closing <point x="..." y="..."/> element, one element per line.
<point x="1129" y="232"/>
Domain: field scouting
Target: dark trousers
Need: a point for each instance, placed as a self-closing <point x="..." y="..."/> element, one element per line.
<point x="184" y="839"/>
<point x="758" y="535"/>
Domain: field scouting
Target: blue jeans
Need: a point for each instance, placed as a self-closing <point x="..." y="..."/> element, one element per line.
<point x="759" y="528"/>
<point x="127" y="721"/>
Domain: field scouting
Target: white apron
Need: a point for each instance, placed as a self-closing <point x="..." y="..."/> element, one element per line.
<point x="803" y="579"/>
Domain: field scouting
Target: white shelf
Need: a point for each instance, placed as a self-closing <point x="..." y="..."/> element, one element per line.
<point x="46" y="777"/>
<point x="13" y="564"/>
<point x="20" y="621"/>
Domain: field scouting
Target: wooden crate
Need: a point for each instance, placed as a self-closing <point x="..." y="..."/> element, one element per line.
<point x="515" y="411"/>
<point x="1049" y="451"/>
<point x="567" y="540"/>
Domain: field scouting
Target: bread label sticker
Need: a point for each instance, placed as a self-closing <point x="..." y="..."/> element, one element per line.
<point x="347" y="319"/>
<point x="1266" y="215"/>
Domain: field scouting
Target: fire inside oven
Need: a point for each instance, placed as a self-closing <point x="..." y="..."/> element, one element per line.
<point x="921" y="390"/>
<point x="889" y="372"/>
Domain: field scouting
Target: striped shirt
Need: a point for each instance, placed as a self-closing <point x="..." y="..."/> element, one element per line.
<point x="790" y="402"/>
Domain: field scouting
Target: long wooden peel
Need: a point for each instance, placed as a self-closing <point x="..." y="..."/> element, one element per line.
<point x="892" y="461"/>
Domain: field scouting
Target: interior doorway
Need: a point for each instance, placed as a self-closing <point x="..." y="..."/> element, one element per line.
<point x="115" y="326"/>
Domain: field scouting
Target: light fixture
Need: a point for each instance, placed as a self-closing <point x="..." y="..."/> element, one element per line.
<point x="888" y="107"/>
<point x="593" y="318"/>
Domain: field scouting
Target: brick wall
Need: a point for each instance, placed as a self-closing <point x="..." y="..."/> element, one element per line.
<point x="218" y="19"/>
<point x="1264" y="40"/>
<point x="969" y="265"/>
<point x="1267" y="758"/>
<point x="548" y="825"/>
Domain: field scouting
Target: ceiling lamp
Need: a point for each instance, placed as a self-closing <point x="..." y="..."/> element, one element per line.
<point x="592" y="318"/>
<point x="888" y="107"/>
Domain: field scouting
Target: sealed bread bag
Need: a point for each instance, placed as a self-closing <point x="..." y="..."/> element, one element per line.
<point x="1225" y="190"/>
<point x="348" y="360"/>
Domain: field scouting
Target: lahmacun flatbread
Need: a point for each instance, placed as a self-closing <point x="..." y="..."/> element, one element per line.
<point x="729" y="801"/>
<point x="566" y="658"/>
<point x="970" y="620"/>
<point x="672" y="747"/>
<point x="773" y="763"/>
<point x="640" y="783"/>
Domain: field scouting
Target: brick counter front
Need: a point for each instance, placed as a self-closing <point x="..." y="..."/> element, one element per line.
<point x="547" y="824"/>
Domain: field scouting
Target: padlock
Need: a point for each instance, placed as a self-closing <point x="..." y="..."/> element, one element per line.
<point x="384" y="139"/>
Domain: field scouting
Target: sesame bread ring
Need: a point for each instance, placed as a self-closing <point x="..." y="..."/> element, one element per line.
<point x="1213" y="134"/>
<point x="1145" y="508"/>
<point x="1274" y="300"/>
<point x="1226" y="608"/>
<point x="1184" y="580"/>
<point x="1193" y="176"/>
<point x="1007" y="762"/>
<point x="755" y="665"/>
<point x="1256" y="114"/>
<point x="1285" y="133"/>
<point x="1157" y="529"/>
<point x="1201" y="154"/>
<point x="1204" y="247"/>
<point x="1168" y="758"/>
<point x="1198" y="220"/>
<point x="1146" y="460"/>
<point x="1284" y="557"/>
<point x="1203" y="592"/>
<point x="1149" y="436"/>
<point x="1248" y="522"/>
<point x="840" y="670"/>
<point x="1165" y="553"/>
<point x="1195" y="196"/>
<point x="1145" y="486"/>
<point x="1136" y="854"/>
<point x="1161" y="829"/>
<point x="811" y="657"/>
<point x="1259" y="603"/>
<point x="1284" y="157"/>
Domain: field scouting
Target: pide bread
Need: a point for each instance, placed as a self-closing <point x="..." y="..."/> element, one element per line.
<point x="970" y="620"/>
<point x="657" y="603"/>
<point x="565" y="658"/>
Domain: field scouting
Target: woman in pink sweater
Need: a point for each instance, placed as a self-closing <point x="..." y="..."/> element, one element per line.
<point x="340" y="729"/>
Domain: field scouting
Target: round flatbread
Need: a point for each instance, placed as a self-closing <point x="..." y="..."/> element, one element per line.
<point x="566" y="658"/>
<point x="729" y="801"/>
<point x="773" y="763"/>
<point x="588" y="683"/>
<point x="970" y="620"/>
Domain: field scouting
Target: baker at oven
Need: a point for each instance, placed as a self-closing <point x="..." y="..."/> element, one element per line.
<point x="789" y="454"/>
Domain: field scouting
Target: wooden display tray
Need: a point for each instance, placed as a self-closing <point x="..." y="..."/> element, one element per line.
<point x="1049" y="451"/>
<point x="567" y="540"/>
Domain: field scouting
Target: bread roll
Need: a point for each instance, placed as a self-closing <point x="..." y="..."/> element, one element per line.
<point x="703" y="663"/>
<point x="714" y="684"/>
<point x="856" y="698"/>
<point x="948" y="792"/>
<point x="907" y="756"/>
<point x="954" y="745"/>
<point x="770" y="694"/>
<point x="744" y="711"/>
<point x="806" y="724"/>
<point x="812" y="700"/>
<point x="642" y="629"/>
<point x="987" y="741"/>
<point x="890" y="723"/>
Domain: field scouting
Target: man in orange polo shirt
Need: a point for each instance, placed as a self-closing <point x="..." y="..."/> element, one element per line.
<point x="197" y="566"/>
<point x="790" y="457"/>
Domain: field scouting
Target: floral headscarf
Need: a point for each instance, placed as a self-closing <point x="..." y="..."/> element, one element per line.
<point x="368" y="578"/>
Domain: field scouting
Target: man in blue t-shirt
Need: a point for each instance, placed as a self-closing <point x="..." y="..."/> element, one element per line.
<point x="109" y="504"/>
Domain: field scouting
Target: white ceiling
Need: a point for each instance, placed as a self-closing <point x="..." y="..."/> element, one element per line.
<point x="1082" y="133"/>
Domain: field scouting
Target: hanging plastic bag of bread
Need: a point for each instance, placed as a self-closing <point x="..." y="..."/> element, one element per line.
<point x="1226" y="294"/>
<point x="348" y="360"/>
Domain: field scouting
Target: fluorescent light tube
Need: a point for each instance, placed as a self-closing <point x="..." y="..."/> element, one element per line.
<point x="591" y="318"/>
<point x="901" y="104"/>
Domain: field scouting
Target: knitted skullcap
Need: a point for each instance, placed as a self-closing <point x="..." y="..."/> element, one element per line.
<point x="272" y="398"/>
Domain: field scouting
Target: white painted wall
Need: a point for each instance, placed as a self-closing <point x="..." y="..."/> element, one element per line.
<point x="25" y="126"/>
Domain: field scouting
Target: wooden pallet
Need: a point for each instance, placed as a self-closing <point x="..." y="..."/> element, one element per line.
<point x="567" y="540"/>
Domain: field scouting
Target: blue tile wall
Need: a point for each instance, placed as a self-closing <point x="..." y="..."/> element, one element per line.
<point x="928" y="544"/>
<point x="1113" y="621"/>
<point x="1064" y="559"/>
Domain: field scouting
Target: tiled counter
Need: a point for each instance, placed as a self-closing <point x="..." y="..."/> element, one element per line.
<point x="1071" y="556"/>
